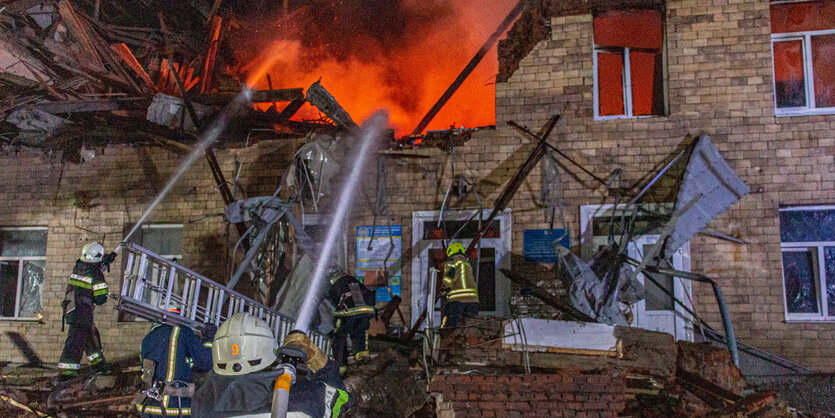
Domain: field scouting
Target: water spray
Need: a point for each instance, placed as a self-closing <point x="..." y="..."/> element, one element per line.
<point x="369" y="132"/>
<point x="209" y="137"/>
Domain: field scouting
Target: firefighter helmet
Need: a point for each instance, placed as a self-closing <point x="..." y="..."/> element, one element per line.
<point x="173" y="306"/>
<point x="455" y="248"/>
<point x="243" y="344"/>
<point x="92" y="252"/>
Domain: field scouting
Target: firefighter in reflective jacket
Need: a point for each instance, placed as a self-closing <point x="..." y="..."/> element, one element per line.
<point x="168" y="355"/>
<point x="354" y="309"/>
<point x="460" y="286"/>
<point x="86" y="288"/>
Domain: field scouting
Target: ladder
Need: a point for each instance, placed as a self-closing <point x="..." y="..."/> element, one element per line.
<point x="151" y="284"/>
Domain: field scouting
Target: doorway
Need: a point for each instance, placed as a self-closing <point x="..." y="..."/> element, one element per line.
<point x="427" y="245"/>
<point x="657" y="311"/>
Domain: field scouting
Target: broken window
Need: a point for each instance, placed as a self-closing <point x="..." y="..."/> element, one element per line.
<point x="22" y="268"/>
<point x="628" y="69"/>
<point x="803" y="48"/>
<point x="808" y="253"/>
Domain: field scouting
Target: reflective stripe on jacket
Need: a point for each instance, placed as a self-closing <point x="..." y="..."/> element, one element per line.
<point x="459" y="279"/>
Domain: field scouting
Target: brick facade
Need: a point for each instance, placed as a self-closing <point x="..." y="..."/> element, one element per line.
<point x="719" y="82"/>
<point x="559" y="394"/>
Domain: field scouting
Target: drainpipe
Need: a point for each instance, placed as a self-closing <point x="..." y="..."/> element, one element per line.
<point x="730" y="338"/>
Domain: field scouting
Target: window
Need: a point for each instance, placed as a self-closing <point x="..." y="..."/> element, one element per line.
<point x="628" y="64"/>
<point x="165" y="240"/>
<point x="22" y="268"/>
<point x="803" y="48"/>
<point x="807" y="241"/>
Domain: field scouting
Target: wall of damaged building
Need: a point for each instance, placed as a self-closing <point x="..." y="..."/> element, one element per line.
<point x="719" y="82"/>
<point x="95" y="200"/>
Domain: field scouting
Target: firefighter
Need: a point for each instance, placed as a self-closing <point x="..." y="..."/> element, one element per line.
<point x="169" y="353"/>
<point x="241" y="383"/>
<point x="460" y="287"/>
<point x="354" y="309"/>
<point x="85" y="289"/>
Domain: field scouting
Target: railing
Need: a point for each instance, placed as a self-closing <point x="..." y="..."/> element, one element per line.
<point x="151" y="284"/>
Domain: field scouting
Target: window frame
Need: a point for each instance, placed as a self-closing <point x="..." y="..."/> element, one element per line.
<point x="125" y="318"/>
<point x="627" y="77"/>
<point x="20" y="273"/>
<point x="805" y="38"/>
<point x="181" y="227"/>
<point x="823" y="314"/>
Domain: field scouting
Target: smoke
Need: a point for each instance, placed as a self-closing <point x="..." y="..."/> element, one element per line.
<point x="395" y="54"/>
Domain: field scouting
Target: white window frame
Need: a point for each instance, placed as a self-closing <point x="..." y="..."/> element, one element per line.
<point x="820" y="284"/>
<point x="805" y="39"/>
<point x="420" y="276"/>
<point x="627" y="80"/>
<point x="627" y="86"/>
<point x="20" y="273"/>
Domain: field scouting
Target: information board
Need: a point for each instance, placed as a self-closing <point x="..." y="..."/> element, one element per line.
<point x="370" y="261"/>
<point x="539" y="244"/>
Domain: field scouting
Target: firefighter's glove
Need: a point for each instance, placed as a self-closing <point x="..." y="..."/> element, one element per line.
<point x="109" y="258"/>
<point x="316" y="359"/>
<point x="209" y="332"/>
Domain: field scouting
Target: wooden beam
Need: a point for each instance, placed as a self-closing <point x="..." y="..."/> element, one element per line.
<point x="514" y="13"/>
<point x="549" y="299"/>
<point x="78" y="30"/>
<point x="258" y="96"/>
<point x="127" y="56"/>
<point x="84" y="106"/>
<point x="211" y="53"/>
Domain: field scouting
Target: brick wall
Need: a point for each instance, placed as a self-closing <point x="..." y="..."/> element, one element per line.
<point x="560" y="394"/>
<point x="121" y="181"/>
<point x="719" y="82"/>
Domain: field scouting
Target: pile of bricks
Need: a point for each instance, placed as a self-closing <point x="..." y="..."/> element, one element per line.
<point x="562" y="393"/>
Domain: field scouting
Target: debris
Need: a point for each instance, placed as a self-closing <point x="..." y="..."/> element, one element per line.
<point x="322" y="99"/>
<point x="562" y="305"/>
<point x="169" y="111"/>
<point x="709" y="176"/>
<point x="386" y="386"/>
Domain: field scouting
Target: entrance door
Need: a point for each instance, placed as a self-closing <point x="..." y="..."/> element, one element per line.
<point x="657" y="311"/>
<point x="427" y="243"/>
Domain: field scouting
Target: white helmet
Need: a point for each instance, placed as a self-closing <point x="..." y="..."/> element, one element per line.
<point x="92" y="252"/>
<point x="243" y="344"/>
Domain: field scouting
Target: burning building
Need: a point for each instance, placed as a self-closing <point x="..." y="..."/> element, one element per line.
<point x="679" y="137"/>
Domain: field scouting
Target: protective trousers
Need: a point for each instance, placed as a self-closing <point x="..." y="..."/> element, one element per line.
<point x="453" y="311"/>
<point x="82" y="338"/>
<point x="357" y="328"/>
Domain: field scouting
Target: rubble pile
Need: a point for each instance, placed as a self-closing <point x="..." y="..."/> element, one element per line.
<point x="387" y="386"/>
<point x="33" y="391"/>
<point x="647" y="374"/>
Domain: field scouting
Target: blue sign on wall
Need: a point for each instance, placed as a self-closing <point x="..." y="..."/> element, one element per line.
<point x="539" y="244"/>
<point x="373" y="257"/>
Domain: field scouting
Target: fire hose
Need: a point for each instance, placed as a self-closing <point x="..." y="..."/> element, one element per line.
<point x="290" y="358"/>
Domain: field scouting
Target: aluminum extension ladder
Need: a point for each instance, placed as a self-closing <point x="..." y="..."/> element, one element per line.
<point x="152" y="283"/>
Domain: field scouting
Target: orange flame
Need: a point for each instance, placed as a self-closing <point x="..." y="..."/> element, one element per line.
<point x="406" y="81"/>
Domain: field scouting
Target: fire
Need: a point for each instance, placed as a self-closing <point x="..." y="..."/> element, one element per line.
<point x="404" y="73"/>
